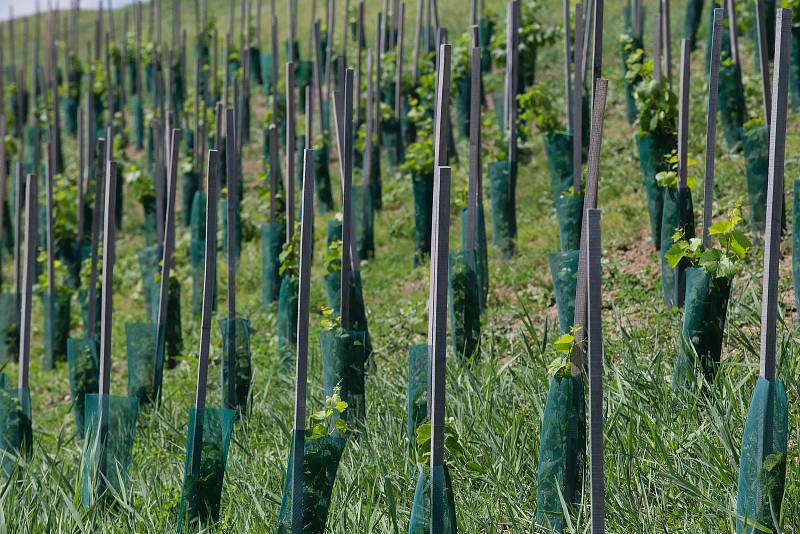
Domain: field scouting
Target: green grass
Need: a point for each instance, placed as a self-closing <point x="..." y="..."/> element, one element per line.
<point x="670" y="467"/>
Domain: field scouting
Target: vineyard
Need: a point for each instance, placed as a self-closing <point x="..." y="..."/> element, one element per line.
<point x="404" y="266"/>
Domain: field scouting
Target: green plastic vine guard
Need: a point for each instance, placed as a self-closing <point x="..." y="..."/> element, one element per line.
<point x="419" y="522"/>
<point x="343" y="360"/>
<point x="419" y="375"/>
<point x="106" y="460"/>
<point x="273" y="236"/>
<point x="464" y="304"/>
<point x="422" y="190"/>
<point x="564" y="273"/>
<point x="56" y="326"/>
<point x="562" y="452"/>
<point x="243" y="363"/>
<point x="481" y="251"/>
<point x="705" y="311"/>
<point x="654" y="147"/>
<point x="9" y="326"/>
<point x="499" y="192"/>
<point x="320" y="463"/>
<point x="201" y="493"/>
<point x="83" y="368"/>
<point x="287" y="320"/>
<point x="16" y="434"/>
<point x="676" y="207"/>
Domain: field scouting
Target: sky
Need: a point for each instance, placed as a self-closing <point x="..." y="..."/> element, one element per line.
<point x="28" y="7"/>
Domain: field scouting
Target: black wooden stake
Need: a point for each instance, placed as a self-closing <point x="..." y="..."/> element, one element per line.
<point x="343" y="103"/>
<point x="597" y="47"/>
<point x="18" y="206"/>
<point x="657" y="48"/>
<point x="290" y="150"/>
<point x="106" y="309"/>
<point x="29" y="261"/>
<point x="772" y="237"/>
<point x="595" y="333"/>
<point x="398" y="73"/>
<point x="273" y="170"/>
<point x="209" y="276"/>
<point x="359" y="48"/>
<point x="51" y="287"/>
<point x="568" y="66"/>
<point x="233" y="185"/>
<point x="417" y="37"/>
<point x="3" y="181"/>
<point x="166" y="259"/>
<point x="589" y="202"/>
<point x="577" y="111"/>
<point x="437" y="337"/>
<point x="711" y="124"/>
<point x="763" y="56"/>
<point x="683" y="159"/>
<point x="96" y="211"/>
<point x="475" y="169"/>
<point x="301" y="369"/>
<point x="667" y="36"/>
<point x="369" y="121"/>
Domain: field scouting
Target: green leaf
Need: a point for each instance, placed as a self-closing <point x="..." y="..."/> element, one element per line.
<point x="675" y="254"/>
<point x="423" y="433"/>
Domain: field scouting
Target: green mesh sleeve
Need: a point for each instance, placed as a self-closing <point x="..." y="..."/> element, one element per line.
<point x="481" y="252"/>
<point x="343" y="359"/>
<point x="16" y="434"/>
<point x="84" y="373"/>
<point x="705" y="311"/>
<point x="364" y="215"/>
<point x="237" y="228"/>
<point x="150" y="269"/>
<point x="653" y="149"/>
<point x="149" y="229"/>
<point x="322" y="178"/>
<point x="564" y="273"/>
<point x="9" y="326"/>
<point x="137" y="111"/>
<point x="487" y="27"/>
<point x="189" y="187"/>
<point x="201" y="491"/>
<point x="558" y="151"/>
<point x="140" y="345"/>
<point x="419" y="376"/>
<point x="287" y="321"/>
<point x="463" y="301"/>
<point x="731" y="103"/>
<point x="56" y="326"/>
<point x="375" y="179"/>
<point x="320" y="463"/>
<point x="242" y="366"/>
<point x="569" y="214"/>
<point x="173" y="335"/>
<point x="676" y="207"/>
<point x="562" y="451"/>
<point x="755" y="142"/>
<point x="422" y="190"/>
<point x="108" y="449"/>
<point x="420" y="520"/>
<point x="691" y="22"/>
<point x="500" y="193"/>
<point x="83" y="298"/>
<point x="762" y="462"/>
<point x="273" y="235"/>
